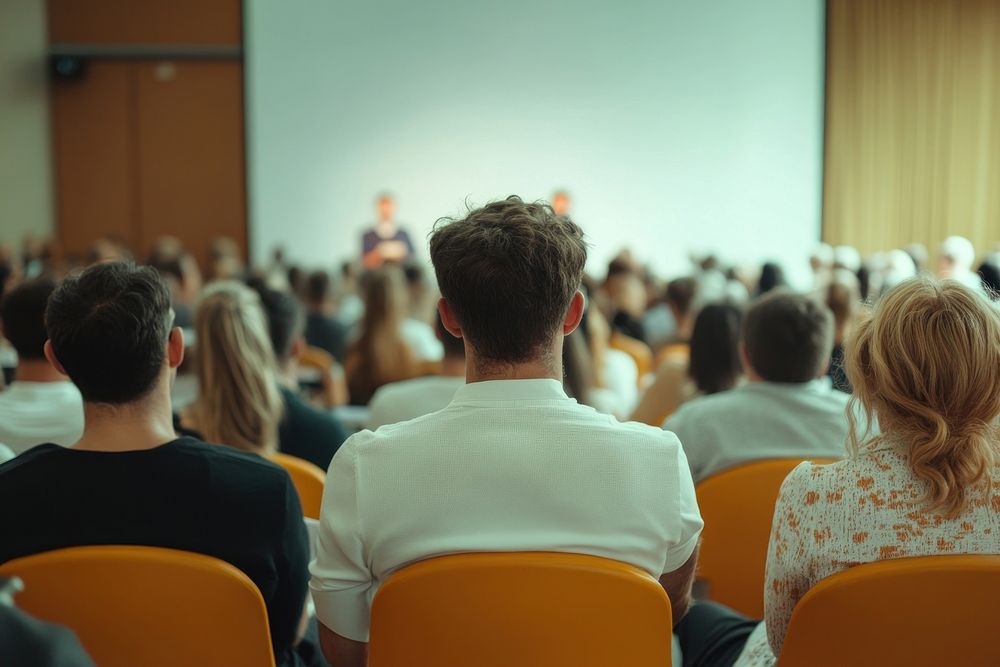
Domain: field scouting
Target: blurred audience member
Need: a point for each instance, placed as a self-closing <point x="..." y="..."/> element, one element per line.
<point x="419" y="294"/>
<point x="713" y="365"/>
<point x="561" y="203"/>
<point x="41" y="405"/>
<point x="772" y="276"/>
<point x="304" y="431"/>
<point x="918" y="253"/>
<point x="681" y="294"/>
<point x="238" y="400"/>
<point x="927" y="367"/>
<point x="350" y="305"/>
<point x="180" y="271"/>
<point x="381" y="354"/>
<point x="898" y="266"/>
<point x="784" y="410"/>
<point x="323" y="329"/>
<point x="626" y="298"/>
<point x="821" y="264"/>
<point x="225" y="260"/>
<point x="955" y="261"/>
<point x="129" y="479"/>
<point x="842" y="298"/>
<point x="385" y="241"/>
<point x="405" y="400"/>
<point x="989" y="274"/>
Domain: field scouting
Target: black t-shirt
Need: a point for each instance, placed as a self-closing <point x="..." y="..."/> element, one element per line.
<point x="185" y="495"/>
<point x="326" y="333"/>
<point x="307" y="433"/>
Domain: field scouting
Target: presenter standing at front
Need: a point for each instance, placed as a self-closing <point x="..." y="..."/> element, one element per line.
<point x="385" y="241"/>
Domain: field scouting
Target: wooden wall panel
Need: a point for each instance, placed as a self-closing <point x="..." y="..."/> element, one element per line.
<point x="190" y="148"/>
<point x="120" y="22"/>
<point x="93" y="156"/>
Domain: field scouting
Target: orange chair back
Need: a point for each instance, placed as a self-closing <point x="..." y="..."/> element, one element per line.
<point x="148" y="606"/>
<point x="679" y="350"/>
<point x="737" y="506"/>
<point x="308" y="479"/>
<point x="525" y="609"/>
<point x="636" y="349"/>
<point x="934" y="610"/>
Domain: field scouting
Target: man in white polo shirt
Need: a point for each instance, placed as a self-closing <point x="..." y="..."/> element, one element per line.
<point x="511" y="464"/>
<point x="787" y="408"/>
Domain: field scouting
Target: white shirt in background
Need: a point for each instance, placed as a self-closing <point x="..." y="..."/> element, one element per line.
<point x="620" y="392"/>
<point x="422" y="340"/>
<point x="6" y="453"/>
<point x="761" y="420"/>
<point x="509" y="465"/>
<point x="402" y="401"/>
<point x="32" y="413"/>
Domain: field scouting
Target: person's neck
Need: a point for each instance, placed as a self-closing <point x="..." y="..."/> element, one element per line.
<point x="144" y="424"/>
<point x="38" y="370"/>
<point x="544" y="367"/>
<point x="453" y="366"/>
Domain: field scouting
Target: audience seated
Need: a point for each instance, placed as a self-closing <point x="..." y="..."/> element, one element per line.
<point x="957" y="256"/>
<point x="713" y="365"/>
<point x="926" y="366"/>
<point x="784" y="410"/>
<point x="842" y="298"/>
<point x="381" y="354"/>
<point x="304" y="431"/>
<point x="604" y="378"/>
<point x="41" y="405"/>
<point x="238" y="401"/>
<point x="129" y="479"/>
<point x="512" y="463"/>
<point x="323" y="330"/>
<point x="408" y="399"/>
<point x="681" y="294"/>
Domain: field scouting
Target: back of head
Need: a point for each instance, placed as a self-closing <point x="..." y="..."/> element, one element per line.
<point x="926" y="364"/>
<point x="959" y="251"/>
<point x="22" y="314"/>
<point x="509" y="271"/>
<point x="788" y="337"/>
<point x="842" y="297"/>
<point x="108" y="327"/>
<point x="380" y="354"/>
<point x="681" y="293"/>
<point x="715" y="363"/>
<point x="318" y="288"/>
<point x="772" y="276"/>
<point x="238" y="403"/>
<point x="285" y="318"/>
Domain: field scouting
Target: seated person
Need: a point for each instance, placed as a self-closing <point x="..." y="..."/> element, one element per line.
<point x="713" y="365"/>
<point x="41" y="405"/>
<point x="784" y="410"/>
<point x="401" y="401"/>
<point x="512" y="463"/>
<point x="26" y="640"/>
<point x="129" y="479"/>
<point x="927" y="366"/>
<point x="323" y="330"/>
<point x="304" y="431"/>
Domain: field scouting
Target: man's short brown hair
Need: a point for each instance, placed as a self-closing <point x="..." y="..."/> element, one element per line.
<point x="788" y="337"/>
<point x="509" y="271"/>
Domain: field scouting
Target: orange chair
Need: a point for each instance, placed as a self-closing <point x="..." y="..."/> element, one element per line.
<point x="678" y="350"/>
<point x="308" y="479"/>
<point x="148" y="606"/>
<point x="639" y="351"/>
<point x="525" y="609"/>
<point x="737" y="506"/>
<point x="934" y="610"/>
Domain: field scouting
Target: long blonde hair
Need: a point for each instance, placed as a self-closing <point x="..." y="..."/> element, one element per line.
<point x="239" y="403"/>
<point x="380" y="355"/>
<point x="926" y="365"/>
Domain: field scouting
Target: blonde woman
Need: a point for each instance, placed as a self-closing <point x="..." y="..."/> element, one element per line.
<point x="381" y="354"/>
<point x="926" y="366"/>
<point x="238" y="400"/>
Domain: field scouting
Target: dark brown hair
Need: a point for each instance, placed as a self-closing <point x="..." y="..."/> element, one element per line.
<point x="509" y="271"/>
<point x="788" y="336"/>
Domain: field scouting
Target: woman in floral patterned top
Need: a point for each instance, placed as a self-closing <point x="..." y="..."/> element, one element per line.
<point x="926" y="365"/>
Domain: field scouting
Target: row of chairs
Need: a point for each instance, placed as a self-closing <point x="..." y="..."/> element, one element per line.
<point x="160" y="607"/>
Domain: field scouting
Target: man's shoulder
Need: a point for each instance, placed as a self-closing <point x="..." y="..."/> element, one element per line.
<point x="237" y="464"/>
<point x="37" y="455"/>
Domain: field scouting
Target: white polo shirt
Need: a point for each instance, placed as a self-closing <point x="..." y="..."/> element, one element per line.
<point x="761" y="420"/>
<point x="509" y="465"/>
<point x="33" y="413"/>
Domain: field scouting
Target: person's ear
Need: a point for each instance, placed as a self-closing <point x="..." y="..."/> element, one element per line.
<point x="574" y="314"/>
<point x="51" y="356"/>
<point x="175" y="347"/>
<point x="448" y="318"/>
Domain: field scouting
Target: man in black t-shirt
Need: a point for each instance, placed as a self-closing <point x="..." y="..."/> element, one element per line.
<point x="304" y="431"/>
<point x="129" y="479"/>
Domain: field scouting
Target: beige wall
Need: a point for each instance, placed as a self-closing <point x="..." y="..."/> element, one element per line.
<point x="25" y="164"/>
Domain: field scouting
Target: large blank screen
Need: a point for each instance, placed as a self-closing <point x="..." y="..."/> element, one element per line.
<point x="676" y="126"/>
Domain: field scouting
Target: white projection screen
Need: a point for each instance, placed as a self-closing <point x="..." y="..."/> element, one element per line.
<point x="676" y="126"/>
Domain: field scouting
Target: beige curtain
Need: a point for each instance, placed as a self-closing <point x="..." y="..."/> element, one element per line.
<point x="912" y="123"/>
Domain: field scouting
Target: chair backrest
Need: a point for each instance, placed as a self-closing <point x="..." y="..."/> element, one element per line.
<point x="525" y="609"/>
<point x="308" y="479"/>
<point x="636" y="349"/>
<point x="737" y="506"/>
<point x="674" y="350"/>
<point x="132" y="605"/>
<point x="934" y="610"/>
